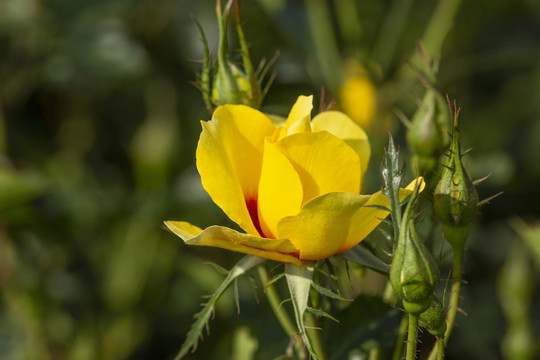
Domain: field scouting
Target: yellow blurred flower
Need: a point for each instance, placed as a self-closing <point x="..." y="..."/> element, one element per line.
<point x="358" y="95"/>
<point x="293" y="186"/>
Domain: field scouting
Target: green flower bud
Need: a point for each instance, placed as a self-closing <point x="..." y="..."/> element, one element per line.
<point x="414" y="273"/>
<point x="455" y="200"/>
<point x="231" y="86"/>
<point x="223" y="82"/>
<point x="426" y="135"/>
<point x="434" y="318"/>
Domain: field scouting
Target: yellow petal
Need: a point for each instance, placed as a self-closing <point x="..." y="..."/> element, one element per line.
<point x="323" y="162"/>
<point x="225" y="238"/>
<point x="229" y="159"/>
<point x="280" y="190"/>
<point x="321" y="228"/>
<point x="299" y="119"/>
<point x="369" y="216"/>
<point x="335" y="222"/>
<point x="183" y="229"/>
<point x="342" y="126"/>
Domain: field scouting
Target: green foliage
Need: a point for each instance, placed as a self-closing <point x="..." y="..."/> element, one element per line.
<point x="366" y="324"/>
<point x="202" y="317"/>
<point x="361" y="255"/>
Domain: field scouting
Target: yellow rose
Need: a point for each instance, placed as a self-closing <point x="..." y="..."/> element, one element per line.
<point x="293" y="187"/>
<point x="358" y="94"/>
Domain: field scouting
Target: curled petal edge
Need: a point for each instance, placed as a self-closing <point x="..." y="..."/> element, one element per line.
<point x="222" y="237"/>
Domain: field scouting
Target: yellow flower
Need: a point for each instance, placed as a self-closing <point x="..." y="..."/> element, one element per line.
<point x="293" y="187"/>
<point x="358" y="95"/>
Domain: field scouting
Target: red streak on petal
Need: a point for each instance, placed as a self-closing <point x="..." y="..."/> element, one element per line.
<point x="253" y="213"/>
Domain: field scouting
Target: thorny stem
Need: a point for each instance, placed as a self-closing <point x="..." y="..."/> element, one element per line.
<point x="411" y="339"/>
<point x="454" y="302"/>
<point x="280" y="313"/>
<point x="440" y="348"/>
<point x="456" y="292"/>
<point x="401" y="338"/>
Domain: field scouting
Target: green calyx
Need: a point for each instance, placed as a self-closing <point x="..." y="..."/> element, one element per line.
<point x="413" y="273"/>
<point x="434" y="318"/>
<point x="426" y="134"/>
<point x="224" y="82"/>
<point x="427" y="130"/>
<point x="455" y="200"/>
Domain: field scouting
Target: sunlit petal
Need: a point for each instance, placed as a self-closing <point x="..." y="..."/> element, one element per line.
<point x="342" y="126"/>
<point x="320" y="229"/>
<point x="369" y="216"/>
<point x="335" y="222"/>
<point x="225" y="238"/>
<point x="299" y="119"/>
<point x="323" y="162"/>
<point x="280" y="189"/>
<point x="229" y="159"/>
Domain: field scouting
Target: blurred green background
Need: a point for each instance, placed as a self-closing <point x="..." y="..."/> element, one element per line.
<point x="98" y="129"/>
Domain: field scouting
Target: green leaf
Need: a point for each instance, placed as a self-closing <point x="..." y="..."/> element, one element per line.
<point x="202" y="317"/>
<point x="378" y="207"/>
<point x="273" y="280"/>
<point x="322" y="313"/>
<point x="219" y="269"/>
<point x="299" y="280"/>
<point x="361" y="255"/>
<point x="328" y="293"/>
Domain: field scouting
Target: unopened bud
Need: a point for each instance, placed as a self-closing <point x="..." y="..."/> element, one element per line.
<point x="455" y="200"/>
<point x="223" y="82"/>
<point x="231" y="86"/>
<point x="434" y="318"/>
<point x="426" y="135"/>
<point x="414" y="273"/>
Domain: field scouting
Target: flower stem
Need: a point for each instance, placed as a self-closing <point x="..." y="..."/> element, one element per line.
<point x="454" y="302"/>
<point x="440" y="348"/>
<point x="280" y="313"/>
<point x="315" y="336"/>
<point x="411" y="340"/>
<point x="456" y="291"/>
<point x="401" y="338"/>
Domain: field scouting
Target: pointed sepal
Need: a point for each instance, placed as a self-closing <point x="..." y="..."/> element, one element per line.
<point x="299" y="281"/>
